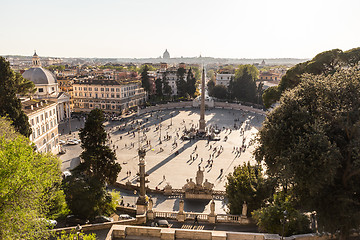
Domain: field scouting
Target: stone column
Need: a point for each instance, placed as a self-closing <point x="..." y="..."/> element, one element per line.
<point x="141" y="204"/>
<point x="212" y="215"/>
<point x="181" y="215"/>
<point x="202" y="106"/>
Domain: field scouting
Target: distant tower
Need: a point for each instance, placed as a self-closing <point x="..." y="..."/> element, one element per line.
<point x="263" y="63"/>
<point x="36" y="60"/>
<point x="166" y="54"/>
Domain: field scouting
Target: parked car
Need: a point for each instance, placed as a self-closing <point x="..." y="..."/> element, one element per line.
<point x="61" y="142"/>
<point x="161" y="223"/>
<point x="66" y="173"/>
<point x="73" y="141"/>
<point x="125" y="216"/>
<point x="72" y="220"/>
<point x="102" y="219"/>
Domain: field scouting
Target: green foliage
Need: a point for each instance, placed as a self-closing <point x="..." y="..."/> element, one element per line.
<point x="310" y="142"/>
<point x="210" y="85"/>
<point x="113" y="67"/>
<point x="145" y="80"/>
<point x="243" y="86"/>
<point x="99" y="159"/>
<point x="180" y="82"/>
<point x="28" y="183"/>
<point x="86" y="196"/>
<point x="269" y="95"/>
<point x="148" y="67"/>
<point x="324" y="63"/>
<point x="159" y="87"/>
<point x="220" y="92"/>
<point x="271" y="219"/>
<point x="247" y="184"/>
<point x="73" y="235"/>
<point x="190" y="83"/>
<point x="59" y="68"/>
<point x="10" y="106"/>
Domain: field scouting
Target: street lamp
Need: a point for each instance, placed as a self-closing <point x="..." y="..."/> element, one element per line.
<point x="78" y="229"/>
<point x="283" y="222"/>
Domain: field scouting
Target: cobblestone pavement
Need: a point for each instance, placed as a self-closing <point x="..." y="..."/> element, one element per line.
<point x="164" y="165"/>
<point x="173" y="160"/>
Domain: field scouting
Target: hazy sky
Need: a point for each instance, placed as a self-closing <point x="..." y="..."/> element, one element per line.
<point x="145" y="28"/>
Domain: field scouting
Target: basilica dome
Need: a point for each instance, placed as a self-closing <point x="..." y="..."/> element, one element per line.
<point x="39" y="75"/>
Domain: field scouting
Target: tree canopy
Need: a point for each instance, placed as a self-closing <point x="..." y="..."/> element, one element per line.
<point x="323" y="63"/>
<point x="99" y="159"/>
<point x="247" y="184"/>
<point x="311" y="143"/>
<point x="12" y="83"/>
<point x="145" y="79"/>
<point x="243" y="86"/>
<point x="30" y="186"/>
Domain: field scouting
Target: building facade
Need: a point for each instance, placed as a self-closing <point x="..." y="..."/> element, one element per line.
<point x="108" y="95"/>
<point x="223" y="77"/>
<point x="43" y="120"/>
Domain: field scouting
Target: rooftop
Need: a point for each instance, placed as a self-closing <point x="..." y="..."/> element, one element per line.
<point x="33" y="105"/>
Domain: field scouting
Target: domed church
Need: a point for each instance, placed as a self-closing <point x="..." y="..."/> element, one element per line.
<point x="47" y="87"/>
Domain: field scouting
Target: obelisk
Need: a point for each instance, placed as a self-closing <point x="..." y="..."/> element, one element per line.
<point x="202" y="106"/>
<point x="141" y="203"/>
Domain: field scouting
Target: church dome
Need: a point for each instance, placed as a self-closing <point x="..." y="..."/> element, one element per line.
<point x="166" y="54"/>
<point x="39" y="75"/>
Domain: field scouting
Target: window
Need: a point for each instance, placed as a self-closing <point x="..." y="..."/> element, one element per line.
<point x="96" y="89"/>
<point x="96" y="95"/>
<point x="52" y="89"/>
<point x="42" y="117"/>
<point x="84" y="94"/>
<point x="41" y="89"/>
<point x="102" y="89"/>
<point x="112" y="89"/>
<point x="90" y="89"/>
<point x="85" y="88"/>
<point x="75" y="94"/>
<point x="80" y="94"/>
<point x="106" y="89"/>
<point x="91" y="105"/>
<point x="117" y="95"/>
<point x="89" y="94"/>
<point x="44" y="141"/>
<point x="52" y="135"/>
<point x="117" y="89"/>
<point x="54" y="111"/>
<point x="43" y="129"/>
<point x="38" y="132"/>
<point x="37" y="119"/>
<point x="75" y="88"/>
<point x="112" y="95"/>
<point x="33" y="135"/>
<point x="32" y="122"/>
<point x="50" y="113"/>
<point x="107" y="95"/>
<point x="46" y="115"/>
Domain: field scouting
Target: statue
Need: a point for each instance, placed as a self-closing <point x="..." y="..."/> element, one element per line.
<point x="191" y="184"/>
<point x="208" y="185"/>
<point x="181" y="206"/>
<point x="212" y="207"/>
<point x="186" y="186"/>
<point x="199" y="177"/>
<point x="244" y="209"/>
<point x="150" y="204"/>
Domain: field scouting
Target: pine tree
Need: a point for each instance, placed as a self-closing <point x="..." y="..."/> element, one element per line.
<point x="10" y="106"/>
<point x="99" y="159"/>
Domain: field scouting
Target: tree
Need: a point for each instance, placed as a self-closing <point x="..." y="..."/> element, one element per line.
<point x="243" y="86"/>
<point x="247" y="184"/>
<point x="159" y="87"/>
<point x="326" y="63"/>
<point x="310" y="143"/>
<point x="210" y="85"/>
<point x="180" y="82"/>
<point x="190" y="83"/>
<point x="10" y="106"/>
<point x="145" y="80"/>
<point x="85" y="195"/>
<point x="99" y="159"/>
<point x="271" y="219"/>
<point x="220" y="92"/>
<point x="29" y="182"/>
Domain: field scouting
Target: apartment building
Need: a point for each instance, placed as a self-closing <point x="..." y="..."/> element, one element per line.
<point x="108" y="95"/>
<point x="42" y="116"/>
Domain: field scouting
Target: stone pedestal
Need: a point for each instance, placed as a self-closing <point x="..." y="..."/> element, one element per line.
<point x="150" y="215"/>
<point x="141" y="209"/>
<point x="212" y="218"/>
<point x="181" y="216"/>
<point x="168" y="189"/>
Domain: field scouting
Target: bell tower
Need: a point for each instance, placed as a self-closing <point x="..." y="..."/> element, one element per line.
<point x="36" y="60"/>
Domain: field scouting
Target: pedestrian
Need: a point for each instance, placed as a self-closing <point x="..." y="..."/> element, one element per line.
<point x="196" y="220"/>
<point x="163" y="177"/>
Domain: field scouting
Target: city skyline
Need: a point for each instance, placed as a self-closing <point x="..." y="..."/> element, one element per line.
<point x="144" y="29"/>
